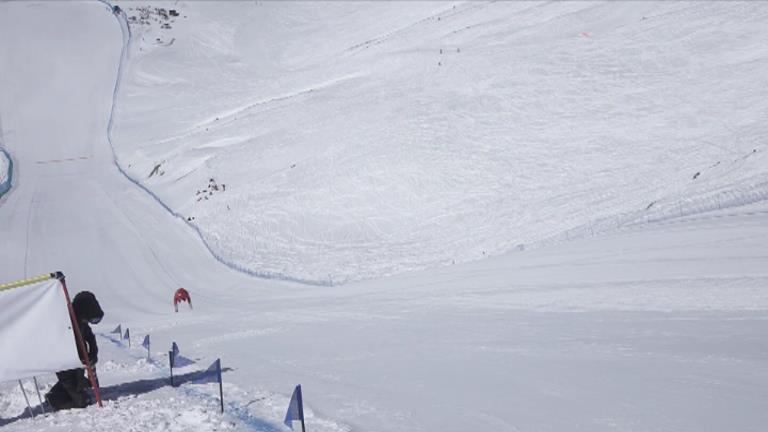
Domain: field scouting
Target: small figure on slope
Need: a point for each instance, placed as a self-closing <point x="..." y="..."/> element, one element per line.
<point x="180" y="296"/>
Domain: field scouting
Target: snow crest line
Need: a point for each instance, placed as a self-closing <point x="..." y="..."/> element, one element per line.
<point x="122" y="19"/>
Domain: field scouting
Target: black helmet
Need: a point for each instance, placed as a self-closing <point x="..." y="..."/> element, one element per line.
<point x="87" y="308"/>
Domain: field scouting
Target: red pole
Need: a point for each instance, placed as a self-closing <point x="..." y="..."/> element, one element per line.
<point x="79" y="338"/>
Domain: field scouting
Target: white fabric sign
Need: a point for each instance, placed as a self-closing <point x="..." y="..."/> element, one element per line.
<point x="36" y="333"/>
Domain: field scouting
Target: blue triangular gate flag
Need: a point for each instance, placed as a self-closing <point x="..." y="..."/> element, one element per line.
<point x="127" y="336"/>
<point x="145" y="344"/>
<point x="117" y="330"/>
<point x="295" y="408"/>
<point x="178" y="360"/>
<point x="210" y="375"/>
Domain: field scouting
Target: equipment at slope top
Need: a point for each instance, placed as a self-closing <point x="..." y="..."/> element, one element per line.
<point x="179" y="296"/>
<point x="70" y="388"/>
<point x="37" y="326"/>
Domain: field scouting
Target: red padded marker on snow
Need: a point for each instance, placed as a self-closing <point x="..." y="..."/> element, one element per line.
<point x="179" y="296"/>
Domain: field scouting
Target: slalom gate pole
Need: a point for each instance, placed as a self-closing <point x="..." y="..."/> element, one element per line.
<point x="221" y="396"/>
<point x="301" y="410"/>
<point x="29" y="407"/>
<point x="170" y="363"/>
<point x="37" y="388"/>
<point x="221" y="387"/>
<point x="79" y="337"/>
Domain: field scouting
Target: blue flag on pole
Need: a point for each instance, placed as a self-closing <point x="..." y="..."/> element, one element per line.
<point x="295" y="409"/>
<point x="178" y="360"/>
<point x="145" y="344"/>
<point x="118" y="330"/>
<point x="127" y="336"/>
<point x="210" y="375"/>
<point x="174" y="352"/>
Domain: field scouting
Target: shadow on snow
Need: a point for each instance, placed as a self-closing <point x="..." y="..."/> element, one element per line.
<point x="133" y="388"/>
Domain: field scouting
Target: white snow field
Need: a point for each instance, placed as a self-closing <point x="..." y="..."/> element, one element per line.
<point x="367" y="139"/>
<point x="548" y="116"/>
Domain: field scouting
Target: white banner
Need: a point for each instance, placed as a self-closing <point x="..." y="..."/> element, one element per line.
<point x="36" y="333"/>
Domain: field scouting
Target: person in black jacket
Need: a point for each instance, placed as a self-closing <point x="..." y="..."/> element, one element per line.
<point x="70" y="390"/>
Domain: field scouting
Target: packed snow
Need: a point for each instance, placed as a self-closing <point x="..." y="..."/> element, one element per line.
<point x="348" y="146"/>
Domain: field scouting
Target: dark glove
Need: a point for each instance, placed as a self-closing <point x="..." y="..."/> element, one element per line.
<point x="93" y="358"/>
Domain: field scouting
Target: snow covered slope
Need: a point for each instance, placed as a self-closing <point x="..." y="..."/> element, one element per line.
<point x="656" y="326"/>
<point x="352" y="140"/>
<point x="650" y="329"/>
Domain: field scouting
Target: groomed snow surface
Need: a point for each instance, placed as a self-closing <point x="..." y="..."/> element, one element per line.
<point x="351" y="147"/>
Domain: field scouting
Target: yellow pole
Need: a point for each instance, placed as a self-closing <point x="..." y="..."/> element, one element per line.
<point x="23" y="282"/>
